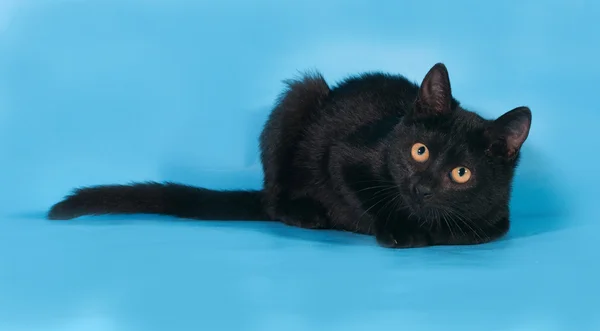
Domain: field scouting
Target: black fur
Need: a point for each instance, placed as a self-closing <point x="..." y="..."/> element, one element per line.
<point x="163" y="199"/>
<point x="341" y="159"/>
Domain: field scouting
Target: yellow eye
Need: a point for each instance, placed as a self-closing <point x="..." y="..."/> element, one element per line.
<point x="460" y="175"/>
<point x="420" y="152"/>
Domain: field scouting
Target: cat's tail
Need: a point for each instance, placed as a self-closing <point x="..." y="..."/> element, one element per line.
<point x="161" y="199"/>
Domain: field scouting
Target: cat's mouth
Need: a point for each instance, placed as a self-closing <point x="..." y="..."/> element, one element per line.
<point x="419" y="207"/>
<point x="420" y="210"/>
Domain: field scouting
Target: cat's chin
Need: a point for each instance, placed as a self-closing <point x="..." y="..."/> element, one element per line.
<point x="422" y="212"/>
<point x="420" y="209"/>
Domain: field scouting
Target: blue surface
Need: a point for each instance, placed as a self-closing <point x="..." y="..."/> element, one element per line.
<point x="95" y="92"/>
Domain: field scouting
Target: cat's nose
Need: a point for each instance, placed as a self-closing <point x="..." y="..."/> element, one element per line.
<point x="422" y="191"/>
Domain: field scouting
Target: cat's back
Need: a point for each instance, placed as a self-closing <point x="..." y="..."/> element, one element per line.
<point x="358" y="109"/>
<point x="373" y="93"/>
<point x="360" y="100"/>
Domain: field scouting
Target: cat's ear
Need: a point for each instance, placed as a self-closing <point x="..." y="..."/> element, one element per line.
<point x="435" y="95"/>
<point x="508" y="132"/>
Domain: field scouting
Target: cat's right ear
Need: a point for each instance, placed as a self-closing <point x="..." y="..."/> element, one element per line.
<point x="507" y="133"/>
<point x="435" y="94"/>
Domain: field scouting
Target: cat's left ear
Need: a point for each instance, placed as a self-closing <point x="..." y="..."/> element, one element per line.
<point x="435" y="94"/>
<point x="508" y="132"/>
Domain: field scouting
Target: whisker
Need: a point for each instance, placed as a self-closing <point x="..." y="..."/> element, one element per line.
<point x="385" y="187"/>
<point x="449" y="227"/>
<point x="466" y="222"/>
<point x="391" y="201"/>
<point x="372" y="206"/>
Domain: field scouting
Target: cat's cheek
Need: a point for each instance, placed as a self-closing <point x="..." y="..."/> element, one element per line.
<point x="401" y="173"/>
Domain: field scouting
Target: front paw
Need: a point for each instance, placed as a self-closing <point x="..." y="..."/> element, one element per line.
<point x="315" y="223"/>
<point x="408" y="240"/>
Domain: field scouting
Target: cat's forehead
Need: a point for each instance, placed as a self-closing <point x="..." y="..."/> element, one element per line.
<point x="461" y="134"/>
<point x="453" y="142"/>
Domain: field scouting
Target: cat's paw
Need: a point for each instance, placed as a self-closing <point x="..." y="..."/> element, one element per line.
<point x="408" y="240"/>
<point x="316" y="223"/>
<point x="303" y="213"/>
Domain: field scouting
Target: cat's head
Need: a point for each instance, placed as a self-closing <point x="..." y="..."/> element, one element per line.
<point x="449" y="160"/>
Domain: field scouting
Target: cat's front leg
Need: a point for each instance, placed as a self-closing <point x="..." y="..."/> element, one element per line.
<point x="409" y="234"/>
<point x="403" y="232"/>
<point x="407" y="238"/>
<point x="304" y="213"/>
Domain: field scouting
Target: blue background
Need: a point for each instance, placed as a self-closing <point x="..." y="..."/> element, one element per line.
<point x="111" y="91"/>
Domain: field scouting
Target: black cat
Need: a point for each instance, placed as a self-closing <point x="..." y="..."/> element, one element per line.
<point x="377" y="155"/>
